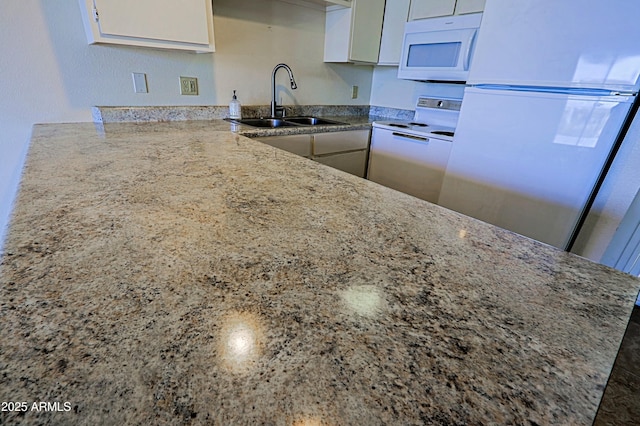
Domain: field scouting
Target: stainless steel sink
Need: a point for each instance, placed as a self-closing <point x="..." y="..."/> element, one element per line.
<point x="312" y="121"/>
<point x="273" y="122"/>
<point x="264" y="122"/>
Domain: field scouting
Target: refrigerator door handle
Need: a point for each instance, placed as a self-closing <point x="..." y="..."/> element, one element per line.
<point x="580" y="91"/>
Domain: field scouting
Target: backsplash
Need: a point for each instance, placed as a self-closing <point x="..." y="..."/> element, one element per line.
<point x="391" y="113"/>
<point x="111" y="114"/>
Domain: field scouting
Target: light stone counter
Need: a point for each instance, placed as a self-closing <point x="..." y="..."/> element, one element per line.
<point x="169" y="273"/>
<point x="349" y="117"/>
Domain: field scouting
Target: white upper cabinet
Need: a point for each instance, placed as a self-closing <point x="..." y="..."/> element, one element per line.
<point x="421" y="9"/>
<point x="396" y="13"/>
<point x="353" y="34"/>
<point x="165" y="24"/>
<point x="469" y="6"/>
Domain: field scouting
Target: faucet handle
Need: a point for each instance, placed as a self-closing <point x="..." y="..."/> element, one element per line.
<point x="278" y="111"/>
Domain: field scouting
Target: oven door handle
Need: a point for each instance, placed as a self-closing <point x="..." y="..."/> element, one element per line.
<point x="404" y="135"/>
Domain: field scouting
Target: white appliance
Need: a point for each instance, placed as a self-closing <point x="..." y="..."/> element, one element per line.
<point x="411" y="156"/>
<point x="551" y="88"/>
<point x="438" y="49"/>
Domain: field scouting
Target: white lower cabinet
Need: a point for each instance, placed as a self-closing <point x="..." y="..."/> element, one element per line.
<point x="346" y="151"/>
<point x="296" y="144"/>
<point x="332" y="142"/>
<point x="354" y="162"/>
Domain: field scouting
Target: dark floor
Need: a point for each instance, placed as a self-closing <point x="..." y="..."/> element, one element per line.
<point x="621" y="401"/>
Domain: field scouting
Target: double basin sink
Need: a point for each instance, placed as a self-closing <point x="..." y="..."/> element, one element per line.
<point x="273" y="122"/>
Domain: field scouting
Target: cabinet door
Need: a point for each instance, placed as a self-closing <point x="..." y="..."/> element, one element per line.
<point x="337" y="35"/>
<point x="366" y="30"/>
<point x="296" y="144"/>
<point x="469" y="6"/>
<point x="354" y="162"/>
<point x="421" y="9"/>
<point x="329" y="143"/>
<point x="395" y="16"/>
<point x="183" y="25"/>
<point x="353" y="34"/>
<point x="343" y="3"/>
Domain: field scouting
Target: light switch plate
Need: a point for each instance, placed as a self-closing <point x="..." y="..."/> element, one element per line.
<point x="139" y="82"/>
<point x="188" y="85"/>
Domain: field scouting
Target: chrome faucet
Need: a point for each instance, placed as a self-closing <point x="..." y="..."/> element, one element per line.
<point x="274" y="105"/>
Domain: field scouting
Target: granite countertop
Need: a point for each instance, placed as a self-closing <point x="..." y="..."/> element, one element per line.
<point x="349" y="117"/>
<point x="171" y="273"/>
<point x="347" y="123"/>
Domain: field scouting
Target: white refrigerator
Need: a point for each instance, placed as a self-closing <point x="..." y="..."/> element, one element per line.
<point x="550" y="88"/>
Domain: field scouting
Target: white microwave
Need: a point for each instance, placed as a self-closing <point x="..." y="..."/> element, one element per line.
<point x="439" y="49"/>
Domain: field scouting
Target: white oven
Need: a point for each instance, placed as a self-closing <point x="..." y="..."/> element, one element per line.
<point x="439" y="49"/>
<point x="411" y="156"/>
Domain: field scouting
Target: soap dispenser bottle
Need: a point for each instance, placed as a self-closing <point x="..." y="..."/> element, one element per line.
<point x="235" y="110"/>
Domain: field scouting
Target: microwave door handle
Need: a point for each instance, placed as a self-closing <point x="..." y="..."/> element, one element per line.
<point x="467" y="55"/>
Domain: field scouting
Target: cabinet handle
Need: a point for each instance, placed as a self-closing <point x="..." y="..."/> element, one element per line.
<point x="404" y="135"/>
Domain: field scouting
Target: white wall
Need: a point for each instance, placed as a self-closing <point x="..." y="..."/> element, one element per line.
<point x="389" y="91"/>
<point x="50" y="74"/>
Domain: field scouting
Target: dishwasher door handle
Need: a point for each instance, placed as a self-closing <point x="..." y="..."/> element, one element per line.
<point x="404" y="135"/>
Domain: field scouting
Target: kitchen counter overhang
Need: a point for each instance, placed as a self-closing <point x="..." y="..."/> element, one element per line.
<point x="171" y="273"/>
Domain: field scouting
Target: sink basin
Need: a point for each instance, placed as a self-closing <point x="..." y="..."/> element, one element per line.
<point x="286" y="121"/>
<point x="264" y="122"/>
<point x="312" y="121"/>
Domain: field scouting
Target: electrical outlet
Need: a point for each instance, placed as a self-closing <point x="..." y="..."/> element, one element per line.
<point x="139" y="82"/>
<point x="188" y="85"/>
<point x="354" y="92"/>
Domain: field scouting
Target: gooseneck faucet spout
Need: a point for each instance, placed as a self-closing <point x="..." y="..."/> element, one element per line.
<point x="275" y="108"/>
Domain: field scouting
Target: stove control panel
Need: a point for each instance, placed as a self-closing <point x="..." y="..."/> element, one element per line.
<point x="449" y="104"/>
